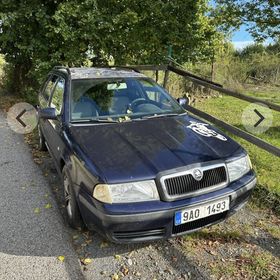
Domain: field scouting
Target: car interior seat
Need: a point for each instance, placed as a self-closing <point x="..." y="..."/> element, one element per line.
<point x="119" y="103"/>
<point x="85" y="108"/>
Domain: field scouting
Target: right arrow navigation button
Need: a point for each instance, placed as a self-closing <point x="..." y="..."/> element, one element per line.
<point x="257" y="118"/>
<point x="261" y="118"/>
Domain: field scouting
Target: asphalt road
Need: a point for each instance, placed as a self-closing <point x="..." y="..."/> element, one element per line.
<point x="30" y="242"/>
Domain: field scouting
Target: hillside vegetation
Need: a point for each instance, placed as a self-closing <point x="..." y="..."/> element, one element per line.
<point x="254" y="69"/>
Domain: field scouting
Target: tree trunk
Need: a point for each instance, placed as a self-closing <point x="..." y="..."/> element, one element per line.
<point x="213" y="71"/>
<point x="19" y="77"/>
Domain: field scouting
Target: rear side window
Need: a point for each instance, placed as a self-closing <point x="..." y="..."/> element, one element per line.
<point x="47" y="91"/>
<point x="57" y="97"/>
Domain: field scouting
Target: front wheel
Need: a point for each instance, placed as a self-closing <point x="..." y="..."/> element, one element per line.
<point x="72" y="210"/>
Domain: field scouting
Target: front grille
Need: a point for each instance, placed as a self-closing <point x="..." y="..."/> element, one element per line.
<point x="185" y="184"/>
<point x="190" y="226"/>
<point x="154" y="233"/>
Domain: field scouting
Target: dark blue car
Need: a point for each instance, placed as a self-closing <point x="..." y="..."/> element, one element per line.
<point x="135" y="165"/>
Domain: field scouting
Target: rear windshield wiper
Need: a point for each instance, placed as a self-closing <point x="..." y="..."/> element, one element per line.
<point x="94" y="121"/>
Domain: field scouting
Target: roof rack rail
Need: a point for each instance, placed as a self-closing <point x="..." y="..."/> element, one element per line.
<point x="124" y="68"/>
<point x="63" y="67"/>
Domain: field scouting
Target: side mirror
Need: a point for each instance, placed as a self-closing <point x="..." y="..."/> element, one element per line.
<point x="47" y="114"/>
<point x="183" y="101"/>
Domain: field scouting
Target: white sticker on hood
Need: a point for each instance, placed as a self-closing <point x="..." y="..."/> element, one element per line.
<point x="202" y="129"/>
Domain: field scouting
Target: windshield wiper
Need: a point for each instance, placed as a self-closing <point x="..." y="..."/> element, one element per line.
<point x="163" y="115"/>
<point x="94" y="121"/>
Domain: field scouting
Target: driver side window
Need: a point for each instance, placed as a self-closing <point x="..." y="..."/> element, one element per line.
<point x="57" y="97"/>
<point x="45" y="95"/>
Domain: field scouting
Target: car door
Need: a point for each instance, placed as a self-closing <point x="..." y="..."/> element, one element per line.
<point x="55" y="142"/>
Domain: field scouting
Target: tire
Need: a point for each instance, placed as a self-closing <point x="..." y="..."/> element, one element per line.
<point x="42" y="140"/>
<point x="73" y="214"/>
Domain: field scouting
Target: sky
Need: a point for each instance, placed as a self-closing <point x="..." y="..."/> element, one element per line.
<point x="242" y="38"/>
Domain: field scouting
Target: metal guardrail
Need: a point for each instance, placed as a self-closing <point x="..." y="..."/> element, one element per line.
<point x="236" y="131"/>
<point x="223" y="90"/>
<point x="217" y="87"/>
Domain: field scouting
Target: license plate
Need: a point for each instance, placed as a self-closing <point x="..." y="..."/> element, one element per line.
<point x="201" y="211"/>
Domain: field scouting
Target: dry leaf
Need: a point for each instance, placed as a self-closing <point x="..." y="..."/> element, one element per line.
<point x="88" y="241"/>
<point x="37" y="210"/>
<point x="118" y="257"/>
<point x="61" y="258"/>
<point x="124" y="270"/>
<point x="104" y="244"/>
<point x="86" y="261"/>
<point x="115" y="276"/>
<point x="48" y="206"/>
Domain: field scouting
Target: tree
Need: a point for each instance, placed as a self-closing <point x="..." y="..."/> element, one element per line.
<point x="25" y="38"/>
<point x="261" y="16"/>
<point x="37" y="34"/>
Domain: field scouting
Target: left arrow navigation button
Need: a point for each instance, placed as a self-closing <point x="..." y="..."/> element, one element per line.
<point x="19" y="116"/>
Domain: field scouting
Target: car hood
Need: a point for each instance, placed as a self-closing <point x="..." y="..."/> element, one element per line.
<point x="139" y="150"/>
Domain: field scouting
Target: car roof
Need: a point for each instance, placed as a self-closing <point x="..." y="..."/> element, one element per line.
<point x="99" y="72"/>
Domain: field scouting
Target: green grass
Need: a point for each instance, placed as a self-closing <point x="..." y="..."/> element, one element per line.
<point x="228" y="251"/>
<point x="261" y="265"/>
<point x="266" y="165"/>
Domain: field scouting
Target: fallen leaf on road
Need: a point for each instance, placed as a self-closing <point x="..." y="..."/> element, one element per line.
<point x="104" y="244"/>
<point x="118" y="257"/>
<point x="61" y="258"/>
<point x="115" y="276"/>
<point x="37" y="210"/>
<point x="124" y="270"/>
<point x="38" y="161"/>
<point x="86" y="261"/>
<point x="48" y="206"/>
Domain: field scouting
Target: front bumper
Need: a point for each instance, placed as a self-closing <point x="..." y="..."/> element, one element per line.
<point x="127" y="223"/>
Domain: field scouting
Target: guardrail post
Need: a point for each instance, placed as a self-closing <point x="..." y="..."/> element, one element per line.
<point x="166" y="75"/>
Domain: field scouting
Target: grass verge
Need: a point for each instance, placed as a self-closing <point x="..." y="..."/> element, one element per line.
<point x="266" y="165"/>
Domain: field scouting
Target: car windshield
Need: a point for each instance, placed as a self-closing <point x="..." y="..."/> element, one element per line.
<point x="120" y="99"/>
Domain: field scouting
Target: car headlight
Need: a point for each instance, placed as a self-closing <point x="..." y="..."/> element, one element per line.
<point x="127" y="192"/>
<point x="238" y="168"/>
